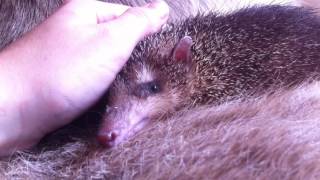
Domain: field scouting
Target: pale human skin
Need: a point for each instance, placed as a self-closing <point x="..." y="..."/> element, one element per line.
<point x="64" y="65"/>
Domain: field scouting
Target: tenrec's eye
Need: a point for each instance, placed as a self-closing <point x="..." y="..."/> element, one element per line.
<point x="147" y="89"/>
<point x="154" y="87"/>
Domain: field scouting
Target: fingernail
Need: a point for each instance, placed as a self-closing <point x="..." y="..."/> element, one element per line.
<point x="160" y="7"/>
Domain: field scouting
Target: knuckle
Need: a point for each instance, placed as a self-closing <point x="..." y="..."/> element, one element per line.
<point x="139" y="15"/>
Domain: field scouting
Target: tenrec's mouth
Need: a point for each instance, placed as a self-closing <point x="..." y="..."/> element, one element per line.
<point x="113" y="138"/>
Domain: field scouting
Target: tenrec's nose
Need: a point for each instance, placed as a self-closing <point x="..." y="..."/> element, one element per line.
<point x="107" y="139"/>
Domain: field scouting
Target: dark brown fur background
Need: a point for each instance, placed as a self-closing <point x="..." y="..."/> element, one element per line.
<point x="18" y="16"/>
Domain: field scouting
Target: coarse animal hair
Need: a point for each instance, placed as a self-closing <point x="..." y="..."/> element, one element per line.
<point x="271" y="137"/>
<point x="210" y="59"/>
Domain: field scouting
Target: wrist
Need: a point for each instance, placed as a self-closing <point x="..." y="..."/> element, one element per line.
<point x="24" y="113"/>
<point x="14" y="93"/>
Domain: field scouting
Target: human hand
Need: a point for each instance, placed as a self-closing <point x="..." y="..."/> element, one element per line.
<point x="63" y="66"/>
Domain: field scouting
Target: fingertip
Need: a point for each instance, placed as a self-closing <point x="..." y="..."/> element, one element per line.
<point x="134" y="24"/>
<point x="160" y="8"/>
<point x="142" y="21"/>
<point x="160" y="11"/>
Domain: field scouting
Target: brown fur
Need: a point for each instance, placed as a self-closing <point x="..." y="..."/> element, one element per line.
<point x="18" y="17"/>
<point x="272" y="137"/>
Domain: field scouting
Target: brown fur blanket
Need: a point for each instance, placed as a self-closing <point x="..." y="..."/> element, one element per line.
<point x="272" y="137"/>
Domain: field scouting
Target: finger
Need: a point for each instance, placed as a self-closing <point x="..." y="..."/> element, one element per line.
<point x="108" y="11"/>
<point x="95" y="11"/>
<point x="136" y="23"/>
<point x="142" y="20"/>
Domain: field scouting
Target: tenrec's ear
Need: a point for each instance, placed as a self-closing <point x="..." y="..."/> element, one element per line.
<point x="182" y="50"/>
